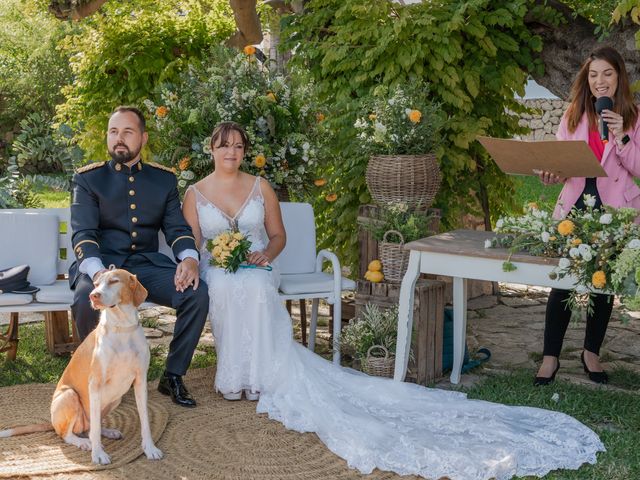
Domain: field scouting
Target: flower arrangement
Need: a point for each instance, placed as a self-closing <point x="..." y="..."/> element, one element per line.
<point x="591" y="244"/>
<point x="375" y="326"/>
<point x="398" y="217"/>
<point x="230" y="86"/>
<point x="399" y="121"/>
<point x="229" y="250"/>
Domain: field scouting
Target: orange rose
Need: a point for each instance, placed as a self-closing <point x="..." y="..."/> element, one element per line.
<point x="184" y="163"/>
<point x="162" y="111"/>
<point x="415" y="116"/>
<point x="332" y="197"/>
<point x="566" y="227"/>
<point x="260" y="160"/>
<point x="249" y="50"/>
<point x="599" y="279"/>
<point x="271" y="96"/>
<point x="320" y="117"/>
<point x="320" y="182"/>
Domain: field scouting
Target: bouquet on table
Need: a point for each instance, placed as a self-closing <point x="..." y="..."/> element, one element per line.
<point x="600" y="248"/>
<point x="229" y="250"/>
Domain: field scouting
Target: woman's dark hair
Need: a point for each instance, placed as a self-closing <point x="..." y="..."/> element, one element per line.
<point x="222" y="132"/>
<point x="583" y="101"/>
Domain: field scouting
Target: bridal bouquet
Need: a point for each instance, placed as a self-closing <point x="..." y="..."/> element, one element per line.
<point x="229" y="250"/>
<point x="591" y="244"/>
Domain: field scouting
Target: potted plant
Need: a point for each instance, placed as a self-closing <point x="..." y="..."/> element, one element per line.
<point x="400" y="129"/>
<point x="371" y="339"/>
<point x="396" y="226"/>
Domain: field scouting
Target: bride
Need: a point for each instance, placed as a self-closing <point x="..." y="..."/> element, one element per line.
<point x="371" y="422"/>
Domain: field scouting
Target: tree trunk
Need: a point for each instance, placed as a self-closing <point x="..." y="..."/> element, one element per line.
<point x="249" y="29"/>
<point x="74" y="9"/>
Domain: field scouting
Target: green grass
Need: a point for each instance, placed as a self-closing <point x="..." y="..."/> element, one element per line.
<point x="531" y="189"/>
<point x="53" y="198"/>
<point x="34" y="364"/>
<point x="613" y="415"/>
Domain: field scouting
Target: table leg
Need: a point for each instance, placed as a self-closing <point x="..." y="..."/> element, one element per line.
<point x="405" y="316"/>
<point x="459" y="326"/>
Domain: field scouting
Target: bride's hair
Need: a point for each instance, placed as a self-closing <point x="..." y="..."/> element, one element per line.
<point x="222" y="131"/>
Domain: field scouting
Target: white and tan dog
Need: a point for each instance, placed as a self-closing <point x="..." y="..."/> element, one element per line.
<point x="103" y="368"/>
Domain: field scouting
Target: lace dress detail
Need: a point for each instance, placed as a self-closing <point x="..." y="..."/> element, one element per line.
<point x="371" y="422"/>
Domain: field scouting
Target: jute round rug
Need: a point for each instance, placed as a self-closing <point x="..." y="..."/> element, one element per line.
<point x="225" y="440"/>
<point x="46" y="453"/>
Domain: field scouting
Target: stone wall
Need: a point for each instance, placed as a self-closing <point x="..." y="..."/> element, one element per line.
<point x="544" y="122"/>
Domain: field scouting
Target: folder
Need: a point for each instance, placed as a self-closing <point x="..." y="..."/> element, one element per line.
<point x="564" y="158"/>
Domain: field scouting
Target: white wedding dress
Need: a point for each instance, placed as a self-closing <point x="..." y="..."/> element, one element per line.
<point x="371" y="422"/>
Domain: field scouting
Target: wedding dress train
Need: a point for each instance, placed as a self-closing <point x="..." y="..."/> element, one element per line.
<point x="371" y="422"/>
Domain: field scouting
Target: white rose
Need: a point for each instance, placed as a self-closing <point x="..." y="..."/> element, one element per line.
<point x="587" y="257"/>
<point x="574" y="252"/>
<point x="499" y="223"/>
<point x="564" y="263"/>
<point x="606" y="218"/>
<point x="544" y="236"/>
<point x="584" y="248"/>
<point x="635" y="243"/>
<point x="182" y="183"/>
<point x="589" y="200"/>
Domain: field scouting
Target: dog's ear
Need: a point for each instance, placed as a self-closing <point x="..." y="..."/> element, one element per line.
<point x="139" y="292"/>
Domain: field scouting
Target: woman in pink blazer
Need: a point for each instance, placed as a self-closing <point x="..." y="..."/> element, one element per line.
<point x="603" y="74"/>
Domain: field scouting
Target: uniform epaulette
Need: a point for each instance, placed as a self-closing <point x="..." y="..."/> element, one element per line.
<point x="90" y="166"/>
<point x="161" y="167"/>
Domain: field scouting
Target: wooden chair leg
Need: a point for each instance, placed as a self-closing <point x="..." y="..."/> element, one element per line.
<point x="303" y="320"/>
<point x="11" y="338"/>
<point x="331" y="322"/>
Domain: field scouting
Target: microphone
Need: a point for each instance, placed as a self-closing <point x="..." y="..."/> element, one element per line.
<point x="603" y="103"/>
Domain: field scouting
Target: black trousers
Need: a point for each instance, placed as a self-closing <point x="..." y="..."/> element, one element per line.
<point x="191" y="308"/>
<point x="558" y="314"/>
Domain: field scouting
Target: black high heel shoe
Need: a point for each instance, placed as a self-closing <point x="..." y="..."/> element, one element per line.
<point x="541" y="381"/>
<point x="597" y="377"/>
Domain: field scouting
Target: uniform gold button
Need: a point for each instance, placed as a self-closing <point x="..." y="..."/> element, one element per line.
<point x="118" y="167"/>
<point x="131" y="179"/>
<point x="134" y="219"/>
<point x="133" y="247"/>
<point x="132" y="192"/>
<point x="133" y="206"/>
<point x="134" y="234"/>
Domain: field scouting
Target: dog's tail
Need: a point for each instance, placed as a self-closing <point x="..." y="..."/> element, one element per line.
<point x="40" y="427"/>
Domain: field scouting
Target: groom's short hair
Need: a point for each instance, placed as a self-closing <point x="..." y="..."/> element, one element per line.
<point x="138" y="113"/>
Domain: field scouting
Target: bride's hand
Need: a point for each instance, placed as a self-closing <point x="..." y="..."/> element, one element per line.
<point x="258" y="258"/>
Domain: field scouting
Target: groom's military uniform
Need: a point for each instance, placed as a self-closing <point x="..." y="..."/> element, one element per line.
<point x="116" y="214"/>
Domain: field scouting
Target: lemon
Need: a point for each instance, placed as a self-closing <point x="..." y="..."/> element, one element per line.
<point x="375" y="276"/>
<point x="375" y="266"/>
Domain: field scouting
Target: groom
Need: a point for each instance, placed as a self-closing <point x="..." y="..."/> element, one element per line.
<point x="117" y="209"/>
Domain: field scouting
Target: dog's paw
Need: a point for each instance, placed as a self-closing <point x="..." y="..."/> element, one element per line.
<point x="111" y="433"/>
<point x="100" y="457"/>
<point x="152" y="452"/>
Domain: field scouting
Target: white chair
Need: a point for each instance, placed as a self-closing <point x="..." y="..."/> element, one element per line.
<point x="301" y="270"/>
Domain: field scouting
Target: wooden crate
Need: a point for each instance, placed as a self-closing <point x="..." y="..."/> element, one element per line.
<point x="428" y="320"/>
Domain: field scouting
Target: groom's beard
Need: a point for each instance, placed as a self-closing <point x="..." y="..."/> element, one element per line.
<point x="126" y="156"/>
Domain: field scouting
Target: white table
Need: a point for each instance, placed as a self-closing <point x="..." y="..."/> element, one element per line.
<point x="461" y="254"/>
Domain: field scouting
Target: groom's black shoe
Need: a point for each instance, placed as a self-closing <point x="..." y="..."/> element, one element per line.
<point x="172" y="385"/>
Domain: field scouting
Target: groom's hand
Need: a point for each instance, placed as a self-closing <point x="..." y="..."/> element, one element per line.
<point x="187" y="274"/>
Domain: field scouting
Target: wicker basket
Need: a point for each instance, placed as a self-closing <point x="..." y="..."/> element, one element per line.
<point x="378" y="366"/>
<point x="394" y="258"/>
<point x="411" y="179"/>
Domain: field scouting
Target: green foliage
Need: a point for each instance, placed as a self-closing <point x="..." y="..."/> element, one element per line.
<point x="475" y="57"/>
<point x="411" y="225"/>
<point x="42" y="148"/>
<point x="17" y="191"/>
<point x="124" y="53"/>
<point x="375" y="326"/>
<point x="32" y="68"/>
<point x="232" y="86"/>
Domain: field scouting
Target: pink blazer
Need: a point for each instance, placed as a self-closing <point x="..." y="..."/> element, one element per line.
<point x="617" y="189"/>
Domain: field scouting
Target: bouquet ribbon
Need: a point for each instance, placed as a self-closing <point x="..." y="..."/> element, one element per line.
<point x="258" y="267"/>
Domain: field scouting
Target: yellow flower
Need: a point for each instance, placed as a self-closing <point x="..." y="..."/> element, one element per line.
<point x="271" y="96"/>
<point x="217" y="250"/>
<point x="249" y="50"/>
<point x="184" y="163"/>
<point x="162" y="111"/>
<point x="262" y="173"/>
<point x="415" y="116"/>
<point x="372" y="116"/>
<point x="233" y="244"/>
<point x="599" y="279"/>
<point x="566" y="227"/>
<point x="238" y="236"/>
<point x="319" y="182"/>
<point x="332" y="197"/>
<point x="575" y="242"/>
<point x="532" y="205"/>
<point x="260" y="160"/>
<point x="320" y="116"/>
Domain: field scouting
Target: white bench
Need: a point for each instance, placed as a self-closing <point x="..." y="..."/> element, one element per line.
<point x="41" y="238"/>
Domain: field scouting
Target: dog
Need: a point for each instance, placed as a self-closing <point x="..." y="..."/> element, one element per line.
<point x="111" y="359"/>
